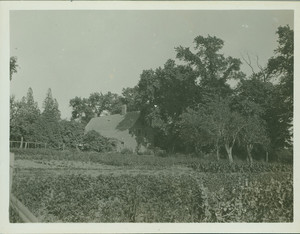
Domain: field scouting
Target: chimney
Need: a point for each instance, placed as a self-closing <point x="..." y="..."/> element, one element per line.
<point x="124" y="109"/>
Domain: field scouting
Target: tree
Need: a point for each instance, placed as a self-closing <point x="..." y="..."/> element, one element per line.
<point x="50" y="106"/>
<point x="47" y="127"/>
<point x="112" y="102"/>
<point x="213" y="124"/>
<point x="194" y="132"/>
<point x="84" y="109"/>
<point x="24" y="115"/>
<point x="234" y="124"/>
<point x="72" y="133"/>
<point x="13" y="66"/>
<point x="254" y="133"/>
<point x="282" y="66"/>
<point x="263" y="74"/>
<point x="130" y="98"/>
<point x="15" y="106"/>
<point x="165" y="93"/>
<point x="212" y="68"/>
<point x="274" y="99"/>
<point x="162" y="95"/>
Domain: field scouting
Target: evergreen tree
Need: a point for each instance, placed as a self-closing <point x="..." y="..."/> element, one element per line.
<point x="47" y="127"/>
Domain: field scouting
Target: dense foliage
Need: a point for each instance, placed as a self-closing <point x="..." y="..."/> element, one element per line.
<point x="86" y="108"/>
<point x="150" y="198"/>
<point x="93" y="141"/>
<point x="193" y="108"/>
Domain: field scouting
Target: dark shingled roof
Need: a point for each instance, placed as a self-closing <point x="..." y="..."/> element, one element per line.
<point x="113" y="125"/>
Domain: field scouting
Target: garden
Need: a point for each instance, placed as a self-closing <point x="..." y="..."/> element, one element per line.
<point x="94" y="187"/>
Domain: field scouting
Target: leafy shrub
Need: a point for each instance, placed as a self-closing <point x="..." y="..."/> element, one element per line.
<point x="126" y="151"/>
<point x="159" y="152"/>
<point x="285" y="155"/>
<point x="94" y="141"/>
<point x="146" y="152"/>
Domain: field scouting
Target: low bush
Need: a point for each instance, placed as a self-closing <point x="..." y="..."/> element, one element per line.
<point x="94" y="141"/>
<point x="126" y="151"/>
<point x="285" y="155"/>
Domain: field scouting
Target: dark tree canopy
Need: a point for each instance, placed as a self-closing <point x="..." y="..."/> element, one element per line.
<point x="84" y="109"/>
<point x="210" y="65"/>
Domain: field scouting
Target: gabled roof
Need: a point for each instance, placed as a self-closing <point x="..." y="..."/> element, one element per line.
<point x="113" y="125"/>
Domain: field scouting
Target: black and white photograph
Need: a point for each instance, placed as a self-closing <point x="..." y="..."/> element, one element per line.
<point x="151" y="116"/>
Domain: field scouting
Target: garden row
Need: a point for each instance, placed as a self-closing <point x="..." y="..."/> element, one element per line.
<point x="149" y="198"/>
<point x="223" y="166"/>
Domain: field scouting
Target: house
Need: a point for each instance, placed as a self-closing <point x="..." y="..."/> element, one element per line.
<point x="126" y="128"/>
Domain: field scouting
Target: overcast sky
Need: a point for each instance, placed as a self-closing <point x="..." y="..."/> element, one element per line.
<point x="76" y="53"/>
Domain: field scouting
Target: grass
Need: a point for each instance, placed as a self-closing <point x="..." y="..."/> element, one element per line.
<point x="115" y="159"/>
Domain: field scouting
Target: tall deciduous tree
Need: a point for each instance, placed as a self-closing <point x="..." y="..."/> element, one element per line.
<point x="254" y="133"/>
<point x="213" y="124"/>
<point x="82" y="111"/>
<point x="253" y="100"/>
<point x="282" y="66"/>
<point x="163" y="94"/>
<point x="24" y="115"/>
<point x="86" y="108"/>
<point x="130" y="98"/>
<point x="211" y="66"/>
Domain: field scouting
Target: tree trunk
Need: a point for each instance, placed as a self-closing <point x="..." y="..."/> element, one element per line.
<point x="229" y="152"/>
<point x="218" y="154"/>
<point x="267" y="156"/>
<point x="21" y="144"/>
<point x="25" y="147"/>
<point x="249" y="149"/>
<point x="218" y="150"/>
<point x="77" y="148"/>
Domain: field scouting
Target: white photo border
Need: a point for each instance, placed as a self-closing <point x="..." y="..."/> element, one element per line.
<point x="6" y="227"/>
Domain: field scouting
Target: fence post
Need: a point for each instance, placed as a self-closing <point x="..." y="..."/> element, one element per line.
<point x="11" y="170"/>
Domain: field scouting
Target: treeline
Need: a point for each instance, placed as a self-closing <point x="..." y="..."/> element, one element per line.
<point x="29" y="124"/>
<point x="84" y="109"/>
<point x="190" y="104"/>
<point x="194" y="109"/>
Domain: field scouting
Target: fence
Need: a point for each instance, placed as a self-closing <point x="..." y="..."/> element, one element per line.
<point x="22" y="211"/>
<point x="27" y="144"/>
<point x="34" y="145"/>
